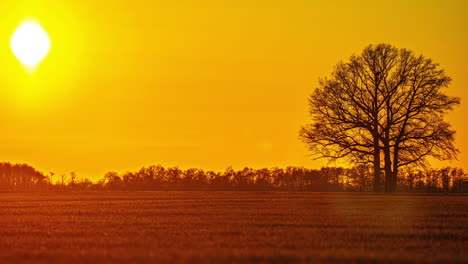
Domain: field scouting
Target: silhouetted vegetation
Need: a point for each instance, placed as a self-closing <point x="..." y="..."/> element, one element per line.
<point x="296" y="179"/>
<point x="19" y="177"/>
<point x="385" y="105"/>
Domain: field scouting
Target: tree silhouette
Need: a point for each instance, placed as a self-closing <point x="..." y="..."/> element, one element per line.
<point x="384" y="104"/>
<point x="22" y="177"/>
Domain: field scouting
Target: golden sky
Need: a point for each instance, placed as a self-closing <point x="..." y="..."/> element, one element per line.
<point x="198" y="83"/>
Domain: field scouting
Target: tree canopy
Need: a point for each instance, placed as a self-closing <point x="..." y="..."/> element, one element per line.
<point x="385" y="105"/>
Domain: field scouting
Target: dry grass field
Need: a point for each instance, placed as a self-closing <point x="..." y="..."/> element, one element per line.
<point x="203" y="227"/>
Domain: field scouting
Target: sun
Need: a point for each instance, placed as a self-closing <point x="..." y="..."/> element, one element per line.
<point x="30" y="43"/>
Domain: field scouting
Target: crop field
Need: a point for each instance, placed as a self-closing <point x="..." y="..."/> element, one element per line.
<point x="204" y="227"/>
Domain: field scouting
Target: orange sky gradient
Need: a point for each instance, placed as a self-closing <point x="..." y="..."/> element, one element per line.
<point x="205" y="84"/>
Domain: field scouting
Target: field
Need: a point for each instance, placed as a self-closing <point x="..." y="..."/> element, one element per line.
<point x="201" y="227"/>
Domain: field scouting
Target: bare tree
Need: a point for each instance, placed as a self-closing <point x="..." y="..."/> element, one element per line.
<point x="73" y="179"/>
<point x="385" y="103"/>
<point x="62" y="177"/>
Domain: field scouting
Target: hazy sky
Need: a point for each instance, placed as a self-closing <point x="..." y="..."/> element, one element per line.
<point x="204" y="84"/>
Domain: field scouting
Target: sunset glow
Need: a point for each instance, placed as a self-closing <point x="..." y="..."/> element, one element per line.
<point x="209" y="85"/>
<point x="207" y="131"/>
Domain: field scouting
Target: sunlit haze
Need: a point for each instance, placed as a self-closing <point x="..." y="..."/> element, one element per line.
<point x="205" y="84"/>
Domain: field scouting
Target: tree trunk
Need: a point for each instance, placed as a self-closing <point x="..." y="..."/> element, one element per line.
<point x="376" y="165"/>
<point x="394" y="181"/>
<point x="388" y="169"/>
<point x="390" y="182"/>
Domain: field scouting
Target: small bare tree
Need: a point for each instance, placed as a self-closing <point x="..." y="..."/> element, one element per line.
<point x="73" y="177"/>
<point x="384" y="104"/>
<point x="62" y="177"/>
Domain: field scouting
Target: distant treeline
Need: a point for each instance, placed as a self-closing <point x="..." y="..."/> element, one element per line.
<point x="21" y="177"/>
<point x="360" y="178"/>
